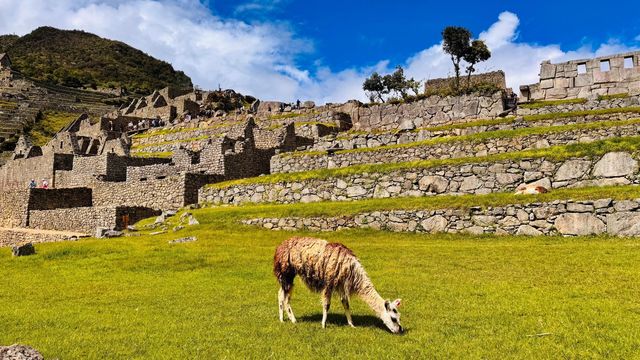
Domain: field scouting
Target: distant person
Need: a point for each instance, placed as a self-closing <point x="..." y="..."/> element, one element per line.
<point x="45" y="184"/>
<point x="33" y="184"/>
<point x="298" y="104"/>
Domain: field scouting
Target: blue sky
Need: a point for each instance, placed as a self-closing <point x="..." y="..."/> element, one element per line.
<point x="356" y="33"/>
<point x="322" y="50"/>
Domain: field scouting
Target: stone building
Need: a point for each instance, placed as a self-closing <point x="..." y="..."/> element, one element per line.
<point x="584" y="78"/>
<point x="5" y="61"/>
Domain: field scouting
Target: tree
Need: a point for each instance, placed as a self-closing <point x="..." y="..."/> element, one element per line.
<point x="396" y="82"/>
<point x="476" y="53"/>
<point x="455" y="42"/>
<point x="375" y="87"/>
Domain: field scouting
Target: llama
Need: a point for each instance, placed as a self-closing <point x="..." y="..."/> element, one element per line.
<point x="531" y="189"/>
<point x="327" y="267"/>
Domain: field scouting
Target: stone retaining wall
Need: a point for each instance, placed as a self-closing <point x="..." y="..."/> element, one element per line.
<point x="286" y="163"/>
<point x="87" y="219"/>
<point x="432" y="111"/>
<point x="589" y="105"/>
<point x="566" y="217"/>
<point x="16" y="237"/>
<point x="481" y="178"/>
<point x="358" y="141"/>
<point x="13" y="207"/>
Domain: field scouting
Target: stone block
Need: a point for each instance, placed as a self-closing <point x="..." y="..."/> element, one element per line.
<point x="572" y="169"/>
<point x="623" y="224"/>
<point x="434" y="224"/>
<point x="615" y="164"/>
<point x="562" y="82"/>
<point x="579" y="224"/>
<point x="547" y="71"/>
<point x="527" y="230"/>
<point x="546" y="84"/>
<point x="556" y="93"/>
<point x="434" y="184"/>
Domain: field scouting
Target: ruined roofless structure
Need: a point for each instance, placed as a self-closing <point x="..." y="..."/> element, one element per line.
<point x="605" y="75"/>
<point x="101" y="172"/>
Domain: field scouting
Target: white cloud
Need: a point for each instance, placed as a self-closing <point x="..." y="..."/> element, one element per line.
<point x="260" y="58"/>
<point x="520" y="61"/>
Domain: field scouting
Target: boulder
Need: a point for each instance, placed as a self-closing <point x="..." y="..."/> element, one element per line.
<point x="572" y="169"/>
<point x="624" y="224"/>
<point x="615" y="164"/>
<point x="113" y="233"/>
<point x="24" y="250"/>
<point x="19" y="352"/>
<point x="433" y="184"/>
<point x="507" y="178"/>
<point x="101" y="232"/>
<point x="355" y="191"/>
<point x="406" y="125"/>
<point x="579" y="224"/>
<point x="527" y="230"/>
<point x="470" y="183"/>
<point x="193" y="221"/>
<point x="434" y="224"/>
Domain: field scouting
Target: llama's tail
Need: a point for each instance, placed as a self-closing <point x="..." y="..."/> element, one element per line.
<point x="282" y="268"/>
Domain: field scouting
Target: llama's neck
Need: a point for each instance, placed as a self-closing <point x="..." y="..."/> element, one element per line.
<point x="368" y="293"/>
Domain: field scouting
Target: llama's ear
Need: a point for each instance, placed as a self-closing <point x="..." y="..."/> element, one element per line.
<point x="397" y="302"/>
<point x="386" y="305"/>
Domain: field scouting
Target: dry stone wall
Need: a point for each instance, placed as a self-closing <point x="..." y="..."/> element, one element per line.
<point x="14" y="208"/>
<point x="630" y="101"/>
<point x="87" y="219"/>
<point x="286" y="163"/>
<point x="617" y="168"/>
<point x="564" y="217"/>
<point x="432" y="111"/>
<point x="17" y="237"/>
<point x="370" y="140"/>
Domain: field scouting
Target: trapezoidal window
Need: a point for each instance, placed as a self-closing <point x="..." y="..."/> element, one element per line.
<point x="605" y="65"/>
<point x="582" y="68"/>
<point x="628" y="62"/>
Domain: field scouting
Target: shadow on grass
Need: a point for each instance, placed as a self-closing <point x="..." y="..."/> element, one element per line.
<point x="341" y="320"/>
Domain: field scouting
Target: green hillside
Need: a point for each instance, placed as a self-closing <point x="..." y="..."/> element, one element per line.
<point x="80" y="59"/>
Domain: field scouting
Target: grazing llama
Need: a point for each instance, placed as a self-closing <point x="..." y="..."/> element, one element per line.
<point x="327" y="267"/>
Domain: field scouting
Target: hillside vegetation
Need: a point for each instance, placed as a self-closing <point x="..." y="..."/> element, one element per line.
<point x="80" y="59"/>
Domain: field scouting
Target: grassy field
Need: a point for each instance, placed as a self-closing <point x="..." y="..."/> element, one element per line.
<point x="464" y="297"/>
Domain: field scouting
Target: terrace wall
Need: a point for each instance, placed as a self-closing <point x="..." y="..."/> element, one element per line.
<point x="286" y="163"/>
<point x="480" y="178"/>
<point x="562" y="217"/>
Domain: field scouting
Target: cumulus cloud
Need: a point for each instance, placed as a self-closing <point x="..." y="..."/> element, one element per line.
<point x="259" y="58"/>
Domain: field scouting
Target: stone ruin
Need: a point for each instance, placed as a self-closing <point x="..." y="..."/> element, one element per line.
<point x="102" y="173"/>
<point x="606" y="75"/>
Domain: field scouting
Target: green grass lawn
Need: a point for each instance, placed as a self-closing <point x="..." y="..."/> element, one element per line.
<point x="464" y="297"/>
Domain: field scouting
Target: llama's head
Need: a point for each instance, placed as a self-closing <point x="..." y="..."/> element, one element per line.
<point x="391" y="316"/>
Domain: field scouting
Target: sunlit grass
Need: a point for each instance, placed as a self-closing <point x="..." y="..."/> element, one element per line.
<point x="464" y="297"/>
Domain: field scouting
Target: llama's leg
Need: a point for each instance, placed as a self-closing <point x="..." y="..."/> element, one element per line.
<point x="347" y="309"/>
<point x="326" y="303"/>
<point x="287" y="305"/>
<point x="281" y="304"/>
